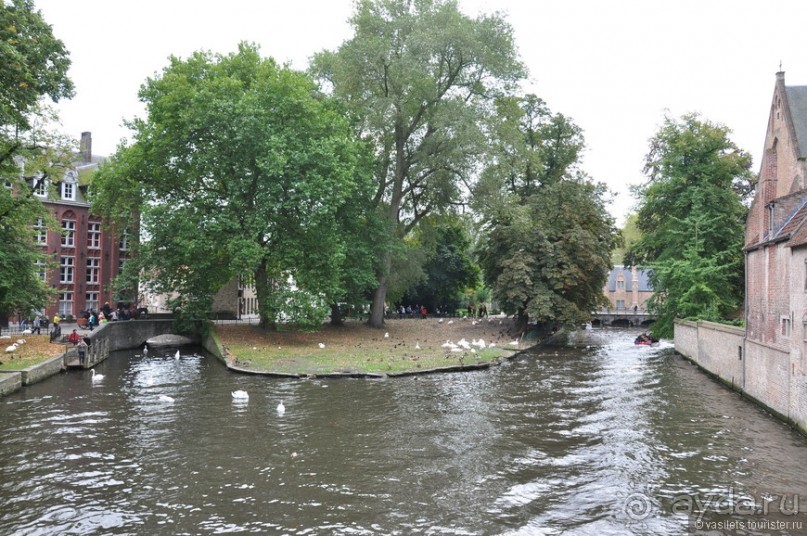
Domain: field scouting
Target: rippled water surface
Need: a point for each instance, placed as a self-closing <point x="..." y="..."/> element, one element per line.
<point x="596" y="437"/>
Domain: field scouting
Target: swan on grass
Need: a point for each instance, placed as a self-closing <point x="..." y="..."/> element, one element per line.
<point x="11" y="349"/>
<point x="240" y="395"/>
<point x="281" y="409"/>
<point x="96" y="377"/>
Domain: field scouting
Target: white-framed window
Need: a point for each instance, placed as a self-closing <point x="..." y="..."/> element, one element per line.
<point x="620" y="284"/>
<point x="69" y="233"/>
<point x="40" y="187"/>
<point x="620" y="304"/>
<point x="94" y="235"/>
<point x="68" y="190"/>
<point x="121" y="263"/>
<point x="124" y="241"/>
<point x="40" y="231"/>
<point x="91" y="301"/>
<point x="93" y="270"/>
<point x="65" y="305"/>
<point x="66" y="269"/>
<point x="41" y="270"/>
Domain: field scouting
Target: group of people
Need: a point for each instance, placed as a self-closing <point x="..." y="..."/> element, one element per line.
<point x="34" y="325"/>
<point x="412" y="310"/>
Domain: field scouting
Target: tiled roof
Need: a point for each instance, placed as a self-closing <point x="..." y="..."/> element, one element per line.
<point x="797" y="101"/>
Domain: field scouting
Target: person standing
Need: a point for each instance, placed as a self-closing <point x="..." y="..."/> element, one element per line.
<point x="37" y="325"/>
<point x="81" y="348"/>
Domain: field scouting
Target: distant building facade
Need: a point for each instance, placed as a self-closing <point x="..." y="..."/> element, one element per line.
<point x="628" y="289"/>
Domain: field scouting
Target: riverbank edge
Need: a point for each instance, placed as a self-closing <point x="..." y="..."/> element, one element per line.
<point x="213" y="345"/>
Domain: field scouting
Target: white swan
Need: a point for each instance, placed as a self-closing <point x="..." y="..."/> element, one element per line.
<point x="281" y="409"/>
<point x="165" y="398"/>
<point x="12" y="348"/>
<point x="240" y="395"/>
<point x="321" y="346"/>
<point x="176" y="356"/>
<point x="145" y="349"/>
<point x="96" y="377"/>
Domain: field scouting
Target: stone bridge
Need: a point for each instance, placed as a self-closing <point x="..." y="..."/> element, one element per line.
<point x="621" y="317"/>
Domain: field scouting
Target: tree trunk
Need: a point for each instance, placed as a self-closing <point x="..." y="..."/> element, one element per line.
<point x="263" y="290"/>
<point x="377" y="307"/>
<point x="522" y="320"/>
<point x="336" y="315"/>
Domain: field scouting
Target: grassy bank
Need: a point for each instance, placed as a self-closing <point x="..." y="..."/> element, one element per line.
<point x="403" y="345"/>
<point x="37" y="348"/>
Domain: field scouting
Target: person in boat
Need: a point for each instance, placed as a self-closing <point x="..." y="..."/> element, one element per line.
<point x="643" y="338"/>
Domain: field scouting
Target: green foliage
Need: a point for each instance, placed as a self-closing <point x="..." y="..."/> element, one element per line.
<point x="418" y="77"/>
<point x="629" y="234"/>
<point x="691" y="216"/>
<point x="545" y="249"/>
<point x="241" y="168"/>
<point x="449" y="269"/>
<point x="34" y="65"/>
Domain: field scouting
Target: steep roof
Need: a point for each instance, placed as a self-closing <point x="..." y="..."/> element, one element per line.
<point x="797" y="102"/>
<point x="627" y="276"/>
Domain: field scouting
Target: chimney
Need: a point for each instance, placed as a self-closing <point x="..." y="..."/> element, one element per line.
<point x="86" y="146"/>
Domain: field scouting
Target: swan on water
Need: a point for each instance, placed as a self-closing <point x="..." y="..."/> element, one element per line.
<point x="240" y="395"/>
<point x="281" y="409"/>
<point x="176" y="356"/>
<point x="165" y="398"/>
<point x="96" y="377"/>
<point x="145" y="349"/>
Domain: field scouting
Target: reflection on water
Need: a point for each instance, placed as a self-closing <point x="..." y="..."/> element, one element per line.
<point x="595" y="437"/>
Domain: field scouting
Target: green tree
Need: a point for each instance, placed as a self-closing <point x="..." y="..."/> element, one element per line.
<point x="419" y="77"/>
<point x="241" y="168"/>
<point x="34" y="67"/>
<point x="691" y="216"/>
<point x="449" y="269"/>
<point x="547" y="236"/>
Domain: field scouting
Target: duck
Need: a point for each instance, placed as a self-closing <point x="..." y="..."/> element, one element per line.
<point x="240" y="395"/>
<point x="96" y="377"/>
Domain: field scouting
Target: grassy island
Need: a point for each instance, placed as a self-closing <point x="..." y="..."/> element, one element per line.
<point x="403" y="346"/>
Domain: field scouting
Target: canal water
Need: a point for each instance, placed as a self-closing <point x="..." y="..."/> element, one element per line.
<point x="593" y="437"/>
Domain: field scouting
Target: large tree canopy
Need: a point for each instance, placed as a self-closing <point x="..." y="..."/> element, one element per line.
<point x="419" y="76"/>
<point x="34" y="66"/>
<point x="547" y="236"/>
<point x="692" y="219"/>
<point x="241" y="168"/>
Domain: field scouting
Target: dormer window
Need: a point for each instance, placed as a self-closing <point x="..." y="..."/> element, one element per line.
<point x="69" y="187"/>
<point x="40" y="187"/>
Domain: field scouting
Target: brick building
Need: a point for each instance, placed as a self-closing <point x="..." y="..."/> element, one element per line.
<point x="774" y="367"/>
<point x="86" y="256"/>
<point x="628" y="289"/>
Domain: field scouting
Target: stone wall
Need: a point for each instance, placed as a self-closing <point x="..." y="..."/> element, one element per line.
<point x="10" y="382"/>
<point x="764" y="372"/>
<point x="114" y="336"/>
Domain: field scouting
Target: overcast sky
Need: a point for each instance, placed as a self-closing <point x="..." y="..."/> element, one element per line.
<point x="615" y="67"/>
